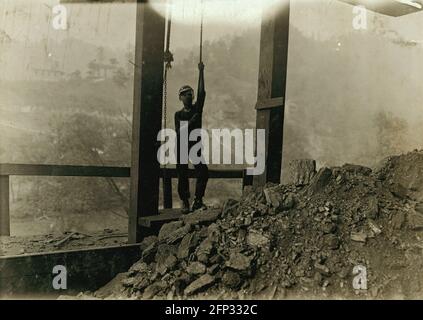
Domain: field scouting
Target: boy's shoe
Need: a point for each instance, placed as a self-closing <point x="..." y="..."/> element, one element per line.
<point x="198" y="204"/>
<point x="185" y="207"/>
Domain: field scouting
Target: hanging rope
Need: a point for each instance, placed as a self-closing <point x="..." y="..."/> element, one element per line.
<point x="168" y="59"/>
<point x="201" y="32"/>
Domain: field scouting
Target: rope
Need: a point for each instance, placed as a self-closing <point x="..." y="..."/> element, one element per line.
<point x="201" y="32"/>
<point x="168" y="59"/>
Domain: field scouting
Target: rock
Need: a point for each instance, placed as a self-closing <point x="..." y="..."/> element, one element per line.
<point x="114" y="286"/>
<point x="168" y="228"/>
<point x="181" y="283"/>
<point x="329" y="227"/>
<point x="216" y="259"/>
<point x="205" y="249"/>
<point x="322" y="269"/>
<point x="196" y="268"/>
<point x="163" y="251"/>
<point x="229" y="206"/>
<point x="320" y="180"/>
<point x="398" y="220"/>
<point x="201" y="283"/>
<point x="288" y="202"/>
<point x="419" y="207"/>
<point x="340" y="179"/>
<point x="247" y="190"/>
<point x="168" y="264"/>
<point x="231" y="279"/>
<point x="256" y="239"/>
<point x="213" y="269"/>
<point x="331" y="241"/>
<point x="302" y="171"/>
<point x="187" y="245"/>
<point x="148" y="241"/>
<point x="213" y="231"/>
<point x="269" y="293"/>
<point x="138" y="267"/>
<point x="248" y="221"/>
<point x="359" y="236"/>
<point x="153" y="289"/>
<point x="178" y="234"/>
<point x="202" y="217"/>
<point x="129" y="282"/>
<point x="373" y="208"/>
<point x="165" y="258"/>
<point x="142" y="284"/>
<point x="374" y="228"/>
<point x="415" y="221"/>
<point x="239" y="261"/>
<point x="149" y="253"/>
<point x="356" y="169"/>
<point x="398" y="190"/>
<point x="273" y="198"/>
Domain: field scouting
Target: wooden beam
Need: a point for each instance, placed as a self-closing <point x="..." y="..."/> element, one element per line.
<point x="166" y="215"/>
<point x="270" y="103"/>
<point x="272" y="87"/>
<point x="4" y="206"/>
<point x="147" y="116"/>
<point x="48" y="170"/>
<point x="100" y="1"/>
<point x="393" y="8"/>
<point x="13" y="169"/>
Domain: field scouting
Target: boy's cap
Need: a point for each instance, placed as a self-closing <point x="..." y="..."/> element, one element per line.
<point x="185" y="89"/>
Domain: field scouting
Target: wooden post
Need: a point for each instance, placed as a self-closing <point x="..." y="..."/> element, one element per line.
<point x="167" y="192"/>
<point x="147" y="116"/>
<point x="272" y="87"/>
<point x="246" y="179"/>
<point x="4" y="206"/>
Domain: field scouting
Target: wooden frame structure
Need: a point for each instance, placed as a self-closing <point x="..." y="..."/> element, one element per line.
<point x="147" y="114"/>
<point x="91" y="268"/>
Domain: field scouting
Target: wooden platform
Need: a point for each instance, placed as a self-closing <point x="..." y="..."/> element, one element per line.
<point x="165" y="216"/>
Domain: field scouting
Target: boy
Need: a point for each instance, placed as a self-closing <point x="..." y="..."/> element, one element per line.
<point x="191" y="113"/>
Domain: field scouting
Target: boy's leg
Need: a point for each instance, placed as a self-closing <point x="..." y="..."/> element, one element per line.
<point x="202" y="176"/>
<point x="183" y="182"/>
<point x="202" y="173"/>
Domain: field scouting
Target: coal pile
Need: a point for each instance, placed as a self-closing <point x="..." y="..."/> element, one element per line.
<point x="301" y="240"/>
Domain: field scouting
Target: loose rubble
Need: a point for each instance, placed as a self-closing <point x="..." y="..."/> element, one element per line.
<point x="293" y="241"/>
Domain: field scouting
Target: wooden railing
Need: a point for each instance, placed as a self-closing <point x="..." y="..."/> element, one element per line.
<point x="7" y="170"/>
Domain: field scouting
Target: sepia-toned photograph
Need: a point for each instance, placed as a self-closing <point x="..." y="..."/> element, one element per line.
<point x="218" y="150"/>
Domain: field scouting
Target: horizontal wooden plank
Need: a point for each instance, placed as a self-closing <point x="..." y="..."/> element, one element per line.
<point x="394" y="8"/>
<point x="62" y="170"/>
<point x="166" y="215"/>
<point x="213" y="173"/>
<point x="270" y="103"/>
<point x="98" y="171"/>
<point x="87" y="269"/>
<point x="101" y="1"/>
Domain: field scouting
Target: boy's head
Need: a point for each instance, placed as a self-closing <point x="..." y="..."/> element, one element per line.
<point x="186" y="95"/>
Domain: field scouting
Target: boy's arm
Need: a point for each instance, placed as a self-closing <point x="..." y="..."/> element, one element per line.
<point x="201" y="93"/>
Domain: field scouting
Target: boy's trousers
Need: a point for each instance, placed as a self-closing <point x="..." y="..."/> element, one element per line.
<point x="202" y="175"/>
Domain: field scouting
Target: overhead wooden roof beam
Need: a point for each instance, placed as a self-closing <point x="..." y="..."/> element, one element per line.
<point x="393" y="8"/>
